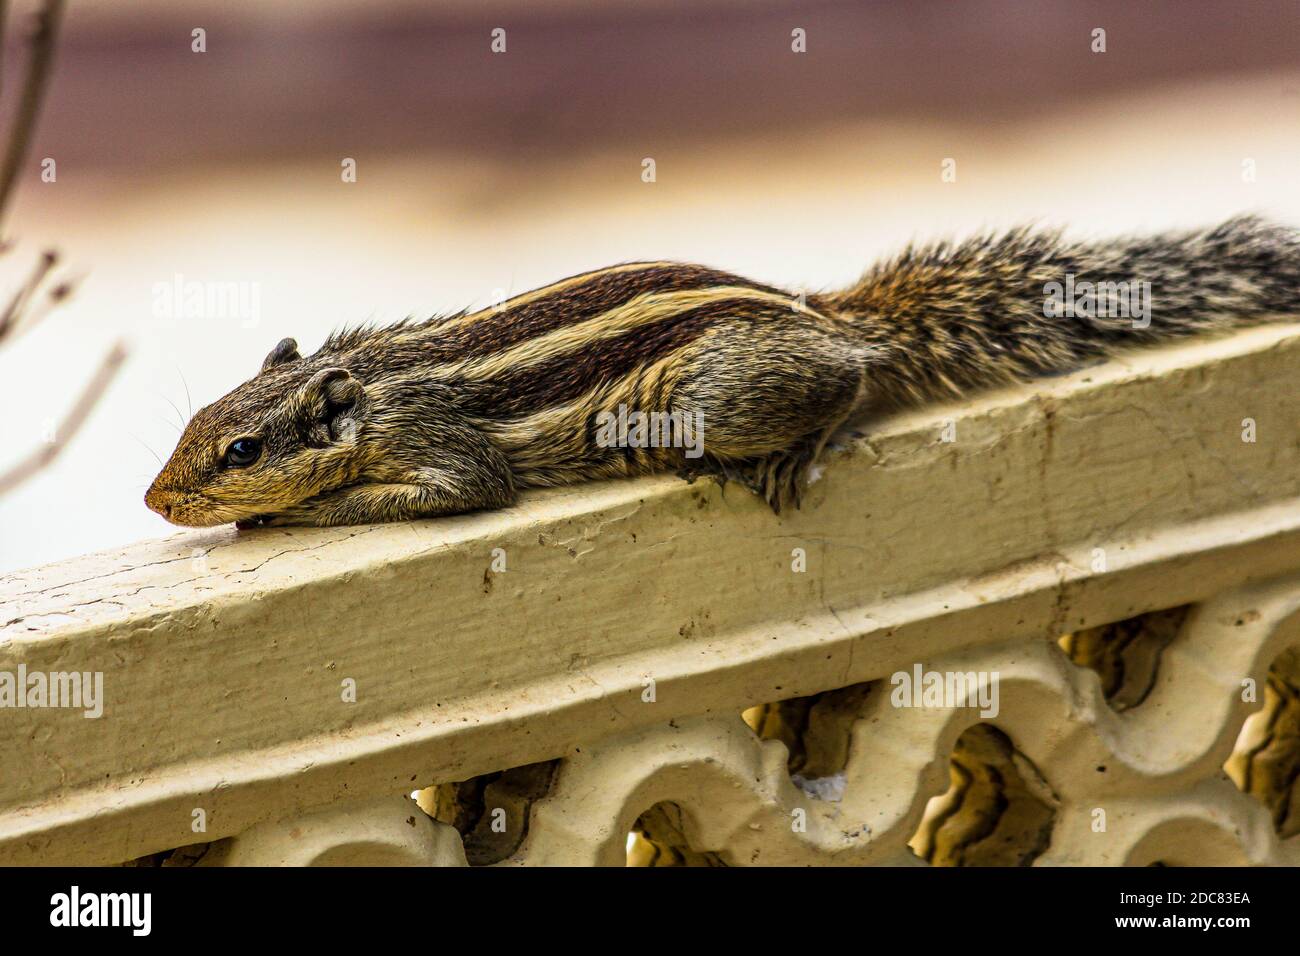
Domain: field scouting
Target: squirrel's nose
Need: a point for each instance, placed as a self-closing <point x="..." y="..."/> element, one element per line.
<point x="158" y="501"/>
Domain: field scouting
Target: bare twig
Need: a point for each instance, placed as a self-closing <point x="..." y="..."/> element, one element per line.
<point x="9" y="318"/>
<point x="71" y="423"/>
<point x="29" y="107"/>
<point x="20" y="313"/>
<point x="33" y="312"/>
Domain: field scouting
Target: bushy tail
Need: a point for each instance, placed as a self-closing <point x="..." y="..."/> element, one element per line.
<point x="995" y="309"/>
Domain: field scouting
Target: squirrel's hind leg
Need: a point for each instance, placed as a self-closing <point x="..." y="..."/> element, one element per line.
<point x="782" y="476"/>
<point x="768" y="410"/>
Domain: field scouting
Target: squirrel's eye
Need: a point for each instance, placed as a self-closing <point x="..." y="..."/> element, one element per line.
<point x="243" y="452"/>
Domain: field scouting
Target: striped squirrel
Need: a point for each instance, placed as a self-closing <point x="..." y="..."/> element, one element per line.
<point x="460" y="412"/>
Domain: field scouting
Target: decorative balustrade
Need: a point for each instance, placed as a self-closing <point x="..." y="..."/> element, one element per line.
<point x="1101" y="573"/>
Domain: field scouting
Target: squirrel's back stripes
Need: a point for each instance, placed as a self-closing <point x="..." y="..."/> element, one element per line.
<point x="550" y="347"/>
<point x="648" y="309"/>
<point x="533" y="315"/>
<point x="567" y="375"/>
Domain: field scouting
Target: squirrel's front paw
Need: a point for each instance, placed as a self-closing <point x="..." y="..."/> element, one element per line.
<point x="718" y="469"/>
<point x="284" y="519"/>
<point x="292" y="516"/>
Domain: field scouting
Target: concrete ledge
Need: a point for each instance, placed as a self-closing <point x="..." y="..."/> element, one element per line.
<point x="224" y="654"/>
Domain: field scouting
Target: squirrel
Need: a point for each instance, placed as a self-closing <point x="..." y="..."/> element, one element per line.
<point x="460" y="412"/>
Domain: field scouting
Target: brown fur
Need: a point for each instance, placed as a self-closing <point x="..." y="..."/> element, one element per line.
<point x="458" y="413"/>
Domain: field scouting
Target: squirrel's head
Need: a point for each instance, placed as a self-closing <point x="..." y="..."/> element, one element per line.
<point x="282" y="437"/>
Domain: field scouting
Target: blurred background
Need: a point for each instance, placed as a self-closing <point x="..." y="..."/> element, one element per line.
<point x="200" y="196"/>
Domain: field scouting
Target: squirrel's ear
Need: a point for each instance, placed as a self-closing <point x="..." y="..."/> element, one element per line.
<point x="285" y="351"/>
<point x="331" y="404"/>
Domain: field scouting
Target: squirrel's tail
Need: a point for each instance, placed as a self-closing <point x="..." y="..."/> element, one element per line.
<point x="996" y="309"/>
